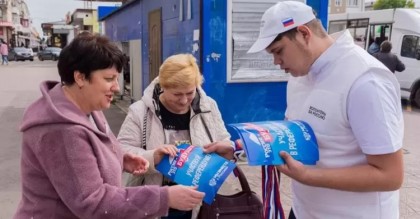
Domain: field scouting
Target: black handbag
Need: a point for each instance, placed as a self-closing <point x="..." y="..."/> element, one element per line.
<point x="242" y="205"/>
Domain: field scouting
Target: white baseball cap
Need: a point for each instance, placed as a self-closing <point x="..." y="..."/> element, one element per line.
<point x="280" y="18"/>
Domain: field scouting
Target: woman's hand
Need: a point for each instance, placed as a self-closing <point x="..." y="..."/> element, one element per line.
<point x="135" y="165"/>
<point x="184" y="198"/>
<point x="167" y="149"/>
<point x="223" y="148"/>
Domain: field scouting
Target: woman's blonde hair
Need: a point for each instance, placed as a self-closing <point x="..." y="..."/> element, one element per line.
<point x="179" y="71"/>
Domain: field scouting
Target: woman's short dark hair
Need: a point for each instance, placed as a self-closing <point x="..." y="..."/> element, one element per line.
<point x="87" y="53"/>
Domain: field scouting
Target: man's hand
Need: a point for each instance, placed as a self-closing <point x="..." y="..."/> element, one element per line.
<point x="292" y="168"/>
<point x="223" y="148"/>
<point x="135" y="165"/>
<point x="184" y="198"/>
<point x="167" y="149"/>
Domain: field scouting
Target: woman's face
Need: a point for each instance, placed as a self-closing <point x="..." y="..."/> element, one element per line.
<point x="178" y="100"/>
<point x="99" y="91"/>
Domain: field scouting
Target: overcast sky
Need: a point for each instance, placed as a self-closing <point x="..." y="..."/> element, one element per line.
<point x="43" y="11"/>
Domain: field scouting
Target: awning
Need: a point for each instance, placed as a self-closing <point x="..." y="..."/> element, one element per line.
<point x="6" y="24"/>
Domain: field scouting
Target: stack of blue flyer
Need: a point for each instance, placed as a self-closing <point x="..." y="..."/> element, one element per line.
<point x="263" y="141"/>
<point x="192" y="167"/>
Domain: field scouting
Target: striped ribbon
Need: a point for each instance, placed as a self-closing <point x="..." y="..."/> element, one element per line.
<point x="272" y="208"/>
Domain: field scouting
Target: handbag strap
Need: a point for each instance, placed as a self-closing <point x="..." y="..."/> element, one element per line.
<point x="143" y="139"/>
<point x="206" y="128"/>
<point x="237" y="171"/>
<point x="242" y="179"/>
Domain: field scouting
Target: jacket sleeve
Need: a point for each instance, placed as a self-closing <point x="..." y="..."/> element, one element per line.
<point x="131" y="132"/>
<point x="69" y="161"/>
<point x="400" y="66"/>
<point x="218" y="125"/>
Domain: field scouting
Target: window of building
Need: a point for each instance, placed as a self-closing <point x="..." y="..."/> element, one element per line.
<point x="15" y="18"/>
<point x="242" y="31"/>
<point x="352" y="3"/>
<point x="410" y="46"/>
<point x="1" y="15"/>
<point x="338" y="3"/>
<point x="24" y="22"/>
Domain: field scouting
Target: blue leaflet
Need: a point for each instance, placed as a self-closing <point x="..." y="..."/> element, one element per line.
<point x="192" y="167"/>
<point x="263" y="141"/>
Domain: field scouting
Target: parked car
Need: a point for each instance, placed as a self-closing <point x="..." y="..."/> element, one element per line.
<point x="21" y="54"/>
<point x="49" y="53"/>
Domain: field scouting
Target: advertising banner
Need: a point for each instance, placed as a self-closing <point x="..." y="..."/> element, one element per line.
<point x="263" y="141"/>
<point x="192" y="167"/>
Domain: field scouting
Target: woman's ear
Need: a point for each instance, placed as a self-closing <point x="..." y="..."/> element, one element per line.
<point x="79" y="79"/>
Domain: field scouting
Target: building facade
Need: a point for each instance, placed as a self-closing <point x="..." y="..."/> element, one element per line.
<point x="218" y="33"/>
<point x="60" y="33"/>
<point x="57" y="34"/>
<point x="85" y="20"/>
<point x="6" y="24"/>
<point x="15" y="24"/>
<point x="349" y="6"/>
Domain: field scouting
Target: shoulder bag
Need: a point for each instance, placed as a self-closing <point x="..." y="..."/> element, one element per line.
<point x="242" y="205"/>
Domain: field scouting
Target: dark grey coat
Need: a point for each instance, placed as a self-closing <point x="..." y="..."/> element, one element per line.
<point x="391" y="61"/>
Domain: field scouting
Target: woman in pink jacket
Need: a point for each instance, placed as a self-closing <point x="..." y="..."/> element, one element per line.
<point x="4" y="51"/>
<point x="71" y="163"/>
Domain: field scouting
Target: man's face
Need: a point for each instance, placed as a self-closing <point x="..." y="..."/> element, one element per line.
<point x="293" y="56"/>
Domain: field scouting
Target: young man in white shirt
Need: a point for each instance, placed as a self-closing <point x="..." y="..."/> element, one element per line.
<point x="360" y="129"/>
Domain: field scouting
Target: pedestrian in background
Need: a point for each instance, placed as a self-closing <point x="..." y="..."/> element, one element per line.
<point x="4" y="51"/>
<point x="358" y="121"/>
<point x="71" y="163"/>
<point x="388" y="59"/>
<point x="174" y="109"/>
<point x="374" y="47"/>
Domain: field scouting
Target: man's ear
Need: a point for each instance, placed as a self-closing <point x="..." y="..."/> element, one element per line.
<point x="79" y="78"/>
<point x="305" y="32"/>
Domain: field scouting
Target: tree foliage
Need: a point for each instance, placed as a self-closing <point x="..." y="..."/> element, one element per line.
<point x="386" y="4"/>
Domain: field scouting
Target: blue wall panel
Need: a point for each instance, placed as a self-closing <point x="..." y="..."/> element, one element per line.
<point x="126" y="24"/>
<point x="321" y="8"/>
<point x="105" y="10"/>
<point x="177" y="36"/>
<point x="238" y="102"/>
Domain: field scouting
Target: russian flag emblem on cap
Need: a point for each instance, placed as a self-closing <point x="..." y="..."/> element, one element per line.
<point x="287" y="22"/>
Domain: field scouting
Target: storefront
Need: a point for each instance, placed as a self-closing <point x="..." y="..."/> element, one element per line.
<point x="6" y="29"/>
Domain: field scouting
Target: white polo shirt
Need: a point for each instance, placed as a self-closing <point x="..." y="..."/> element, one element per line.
<point x="352" y="102"/>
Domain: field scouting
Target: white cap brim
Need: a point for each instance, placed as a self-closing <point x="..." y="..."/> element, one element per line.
<point x="261" y="44"/>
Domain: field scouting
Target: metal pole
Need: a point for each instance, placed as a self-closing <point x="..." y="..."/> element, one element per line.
<point x="362" y="6"/>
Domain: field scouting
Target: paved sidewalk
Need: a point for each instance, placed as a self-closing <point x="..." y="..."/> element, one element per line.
<point x="409" y="194"/>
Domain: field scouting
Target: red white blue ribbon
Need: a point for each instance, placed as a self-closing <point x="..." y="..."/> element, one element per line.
<point x="272" y="208"/>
